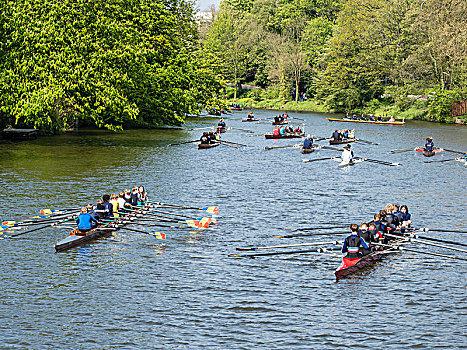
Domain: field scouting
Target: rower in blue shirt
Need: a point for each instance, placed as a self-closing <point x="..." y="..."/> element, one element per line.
<point x="84" y="221"/>
<point x="429" y="145"/>
<point x="353" y="243"/>
<point x="308" y="143"/>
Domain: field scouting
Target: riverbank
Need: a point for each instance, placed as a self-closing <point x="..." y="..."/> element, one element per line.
<point x="416" y="112"/>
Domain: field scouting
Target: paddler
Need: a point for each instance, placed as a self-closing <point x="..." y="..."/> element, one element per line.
<point x="429" y="145"/>
<point x="276" y="131"/>
<point x="336" y="136"/>
<point x="367" y="236"/>
<point x="347" y="154"/>
<point x="204" y="139"/>
<point x="84" y="222"/>
<point x="353" y="243"/>
<point x="308" y="143"/>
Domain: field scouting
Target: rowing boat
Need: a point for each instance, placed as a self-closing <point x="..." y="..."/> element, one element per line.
<point x="284" y="136"/>
<point x="429" y="153"/>
<point x="339" y="142"/>
<point x="351" y="265"/>
<point x="250" y="120"/>
<point x="222" y="130"/>
<point x="207" y="145"/>
<point x="343" y="164"/>
<point x="280" y="123"/>
<point x="364" y="121"/>
<point x="99" y="232"/>
<point x="308" y="150"/>
<point x="236" y="108"/>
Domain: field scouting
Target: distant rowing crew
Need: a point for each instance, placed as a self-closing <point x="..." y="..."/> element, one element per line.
<point x="284" y="130"/>
<point x="392" y="220"/>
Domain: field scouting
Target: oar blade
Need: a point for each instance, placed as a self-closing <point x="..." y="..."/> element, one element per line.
<point x="159" y="235"/>
<point x="212" y="210"/>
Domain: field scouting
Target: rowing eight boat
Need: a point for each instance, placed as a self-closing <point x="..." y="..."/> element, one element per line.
<point x="364" y="121"/>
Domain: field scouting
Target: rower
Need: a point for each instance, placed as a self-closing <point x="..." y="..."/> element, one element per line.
<point x="114" y="202"/>
<point x="100" y="210"/>
<point x="336" y="136"/>
<point x="282" y="130"/>
<point x="289" y="129"/>
<point x="429" y="145"/>
<point x="84" y="222"/>
<point x="390" y="221"/>
<point x="121" y="200"/>
<point x="351" y="133"/>
<point x="398" y="213"/>
<point x="134" y="195"/>
<point x="298" y="130"/>
<point x="345" y="134"/>
<point x="108" y="206"/>
<point x="127" y="196"/>
<point x="371" y="118"/>
<point x="204" y="139"/>
<point x="353" y="243"/>
<point x="375" y="234"/>
<point x="308" y="143"/>
<point x="362" y="117"/>
<point x="347" y="116"/>
<point x="276" y="131"/>
<point x="367" y="236"/>
<point x="380" y="119"/>
<point x="347" y="154"/>
<point x="250" y="116"/>
<point x="276" y="120"/>
<point x="391" y="119"/>
<point x="221" y="123"/>
<point x="212" y="137"/>
<point x="354" y="117"/>
<point x="217" y="136"/>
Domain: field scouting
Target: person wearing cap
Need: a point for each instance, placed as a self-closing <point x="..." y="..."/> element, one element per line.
<point x="204" y="139"/>
<point x="336" y="136"/>
<point x="347" y="154"/>
<point x="308" y="143"/>
<point x="429" y="145"/>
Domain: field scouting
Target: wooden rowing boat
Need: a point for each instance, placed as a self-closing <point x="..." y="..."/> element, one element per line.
<point x="429" y="153"/>
<point x="343" y="164"/>
<point x="96" y="233"/>
<point x="250" y="120"/>
<point x="285" y="136"/>
<point x="364" y="121"/>
<point x="208" y="145"/>
<point x="351" y="265"/>
<point x="339" y="142"/>
<point x="308" y="150"/>
<point x="281" y="123"/>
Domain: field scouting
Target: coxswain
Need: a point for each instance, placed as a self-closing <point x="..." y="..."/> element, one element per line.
<point x="276" y="131"/>
<point x="204" y="139"/>
<point x="298" y="130"/>
<point x="336" y="136"/>
<point x="84" y="222"/>
<point x="429" y="145"/>
<point x="406" y="217"/>
<point x="108" y="206"/>
<point x="367" y="236"/>
<point x="142" y="195"/>
<point x="250" y="116"/>
<point x="308" y="143"/>
<point x="347" y="154"/>
<point x="353" y="243"/>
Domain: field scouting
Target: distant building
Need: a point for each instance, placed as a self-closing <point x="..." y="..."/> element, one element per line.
<point x="204" y="19"/>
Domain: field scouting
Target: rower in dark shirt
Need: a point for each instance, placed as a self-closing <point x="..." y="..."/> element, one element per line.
<point x="353" y="242"/>
<point x="204" y="139"/>
<point x="336" y="135"/>
<point x="367" y="236"/>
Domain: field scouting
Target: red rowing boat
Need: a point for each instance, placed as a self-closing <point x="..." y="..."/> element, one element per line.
<point x="429" y="153"/>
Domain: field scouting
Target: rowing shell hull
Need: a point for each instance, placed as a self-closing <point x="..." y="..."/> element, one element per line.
<point x="74" y="241"/>
<point x="281" y="123"/>
<point x="207" y="145"/>
<point x="236" y="108"/>
<point x="337" y="142"/>
<point x="307" y="150"/>
<point x="364" y="121"/>
<point x="429" y="154"/>
<point x="286" y="136"/>
<point x="250" y="120"/>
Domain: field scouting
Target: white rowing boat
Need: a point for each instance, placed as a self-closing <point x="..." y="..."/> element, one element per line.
<point x="343" y="164"/>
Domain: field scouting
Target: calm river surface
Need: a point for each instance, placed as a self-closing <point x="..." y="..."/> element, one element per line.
<point x="132" y="291"/>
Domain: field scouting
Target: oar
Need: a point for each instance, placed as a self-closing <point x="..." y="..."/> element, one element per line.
<point x="368" y="142"/>
<point x="439" y="161"/>
<point x="428" y="243"/>
<point x="159" y="225"/>
<point x="36" y="229"/>
<point x="210" y="209"/>
<point x="233" y="143"/>
<point x="182" y="143"/>
<point x="418" y="251"/>
<point x="322" y="139"/>
<point x="315" y="160"/>
<point x="401" y="150"/>
<point x="426" y="229"/>
<point x="229" y="145"/>
<point x="288" y="245"/>
<point x="184" y="216"/>
<point x="379" y="161"/>
<point x="158" y="235"/>
<point x="315" y="228"/>
<point x="438" y="240"/>
<point x="37" y="222"/>
<point x="258" y="134"/>
<point x="274" y="147"/>
<point x="332" y="148"/>
<point x="310" y="234"/>
<point x="319" y="250"/>
<point x="457" y="152"/>
<point x="203" y="128"/>
<point x="244" y="130"/>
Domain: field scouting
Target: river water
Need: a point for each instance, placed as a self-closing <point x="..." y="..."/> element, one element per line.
<point x="132" y="291"/>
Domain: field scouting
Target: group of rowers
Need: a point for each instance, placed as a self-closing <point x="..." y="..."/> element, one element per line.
<point x="109" y="207"/>
<point x="339" y="135"/>
<point x="278" y="119"/>
<point x="371" y="118"/>
<point x="210" y="137"/>
<point x="394" y="219"/>
<point x="286" y="129"/>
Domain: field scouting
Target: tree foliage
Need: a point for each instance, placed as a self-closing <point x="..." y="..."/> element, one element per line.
<point x="111" y="63"/>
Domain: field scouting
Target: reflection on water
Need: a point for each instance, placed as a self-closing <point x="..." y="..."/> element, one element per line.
<point x="134" y="291"/>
